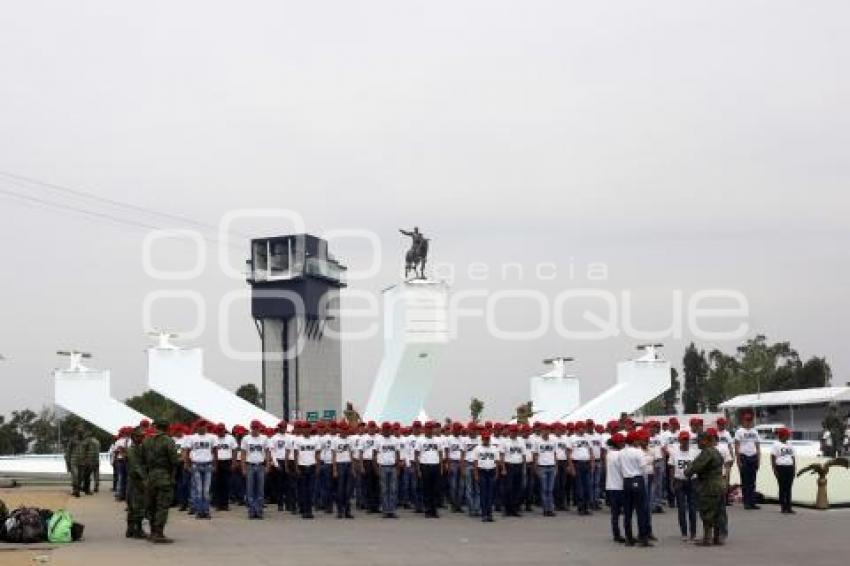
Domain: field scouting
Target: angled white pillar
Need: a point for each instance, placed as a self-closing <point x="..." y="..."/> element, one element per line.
<point x="85" y="392"/>
<point x="415" y="331"/>
<point x="554" y="393"/>
<point x="177" y="374"/>
<point x="638" y="381"/>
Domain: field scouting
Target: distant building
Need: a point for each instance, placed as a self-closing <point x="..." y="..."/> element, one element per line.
<point x="802" y="410"/>
<point x="295" y="286"/>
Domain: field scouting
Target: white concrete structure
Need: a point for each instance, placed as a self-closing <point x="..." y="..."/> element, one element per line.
<point x="555" y="393"/>
<point x="86" y="393"/>
<point x="178" y="374"/>
<point x="415" y="331"/>
<point x="638" y="382"/>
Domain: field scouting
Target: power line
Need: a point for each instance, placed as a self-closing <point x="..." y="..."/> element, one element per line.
<point x="111" y="202"/>
<point x="92" y="213"/>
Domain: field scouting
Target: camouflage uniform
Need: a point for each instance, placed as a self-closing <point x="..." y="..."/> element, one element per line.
<point x="160" y="458"/>
<point x="75" y="461"/>
<point x="137" y="478"/>
<point x="92" y="455"/>
<point x="708" y="467"/>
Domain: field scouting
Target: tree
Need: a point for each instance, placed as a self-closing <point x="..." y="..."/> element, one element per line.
<point x="476" y="407"/>
<point x="250" y="393"/>
<point x="45" y="434"/>
<point x="71" y="422"/>
<point x="695" y="369"/>
<point x="157" y="407"/>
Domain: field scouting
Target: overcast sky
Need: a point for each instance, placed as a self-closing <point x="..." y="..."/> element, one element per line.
<point x="685" y="145"/>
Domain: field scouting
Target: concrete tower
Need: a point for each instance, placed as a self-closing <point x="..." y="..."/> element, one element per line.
<point x="295" y="286"/>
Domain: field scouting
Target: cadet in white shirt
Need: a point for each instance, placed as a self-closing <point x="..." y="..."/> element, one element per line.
<point x="784" y="465"/>
<point x="513" y="456"/>
<point x="254" y="462"/>
<point x="681" y="456"/>
<point x="387" y="449"/>
<point x="562" y="464"/>
<point x="471" y="487"/>
<point x="324" y="485"/>
<point x="343" y="458"/>
<point x="278" y="446"/>
<point x="454" y="457"/>
<point x="223" y="450"/>
<point x="198" y="460"/>
<point x="581" y="462"/>
<point x="614" y="483"/>
<point x="544" y="466"/>
<point x="429" y="465"/>
<point x="370" y="482"/>
<point x="748" y="451"/>
<point x="306" y="457"/>
<point x="486" y="461"/>
<point x="632" y="461"/>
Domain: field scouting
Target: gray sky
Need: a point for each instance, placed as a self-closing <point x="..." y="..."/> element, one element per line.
<point x="685" y="145"/>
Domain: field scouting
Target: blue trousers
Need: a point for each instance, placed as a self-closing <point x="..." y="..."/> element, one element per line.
<point x="473" y="496"/>
<point x="616" y="499"/>
<point x="634" y="493"/>
<point x="659" y="469"/>
<point x="201" y="483"/>
<point x="512" y="488"/>
<point x="486" y="489"/>
<point x="596" y="483"/>
<point x="546" y="476"/>
<point x="583" y="487"/>
<point x="306" y="487"/>
<point x="686" y="505"/>
<point x="325" y="487"/>
<point x="749" y="470"/>
<point x="121" y="479"/>
<point x="344" y="486"/>
<point x="182" y="487"/>
<point x="456" y="491"/>
<point x="255" y="492"/>
<point x="389" y="488"/>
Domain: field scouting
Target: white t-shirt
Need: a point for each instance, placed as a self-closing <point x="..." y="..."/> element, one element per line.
<point x="514" y="450"/>
<point x="681" y="459"/>
<point x="726" y="452"/>
<point x="366" y="446"/>
<point x="278" y="445"/>
<point x="724" y="437"/>
<point x="119" y="448"/>
<point x="485" y="457"/>
<point x="631" y="462"/>
<point x="783" y="452"/>
<point x="655" y="444"/>
<point x="748" y="439"/>
<point x="562" y="446"/>
<point x="469" y="445"/>
<point x="326" y="443"/>
<point x="408" y="448"/>
<point x="529" y="447"/>
<point x="454" y="446"/>
<point x="545" y="450"/>
<point x="307" y="448"/>
<point x="224" y="447"/>
<point x="597" y="443"/>
<point x="386" y="449"/>
<point x="429" y="450"/>
<point x="613" y="473"/>
<point x="200" y="447"/>
<point x="580" y="447"/>
<point x="344" y="449"/>
<point x="255" y="448"/>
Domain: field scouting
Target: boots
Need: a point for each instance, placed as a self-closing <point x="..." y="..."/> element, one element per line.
<point x="706" y="536"/>
<point x="139" y="532"/>
<point x="157" y="536"/>
<point x="717" y="540"/>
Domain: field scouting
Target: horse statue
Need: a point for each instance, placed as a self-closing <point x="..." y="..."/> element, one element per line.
<point x="417" y="255"/>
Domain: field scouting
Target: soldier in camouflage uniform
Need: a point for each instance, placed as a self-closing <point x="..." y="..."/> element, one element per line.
<point x="92" y="455"/>
<point x="75" y="461"/>
<point x="708" y="467"/>
<point x="160" y="458"/>
<point x="137" y="479"/>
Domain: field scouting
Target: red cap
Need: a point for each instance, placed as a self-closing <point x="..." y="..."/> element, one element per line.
<point x="684" y="435"/>
<point x="783" y="432"/>
<point x="695" y="421"/>
<point x="721" y="422"/>
<point x="712" y="432"/>
<point x="618" y="438"/>
<point x="672" y="421"/>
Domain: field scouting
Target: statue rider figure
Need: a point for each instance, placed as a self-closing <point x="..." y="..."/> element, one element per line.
<point x="417" y="255"/>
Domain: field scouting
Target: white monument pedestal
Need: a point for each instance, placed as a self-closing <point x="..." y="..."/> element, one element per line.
<point x="178" y="374"/>
<point x="415" y="330"/>
<point x="638" y="382"/>
<point x="555" y="393"/>
<point x="85" y="393"/>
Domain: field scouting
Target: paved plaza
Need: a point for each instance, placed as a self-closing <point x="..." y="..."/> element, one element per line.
<point x="765" y="537"/>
